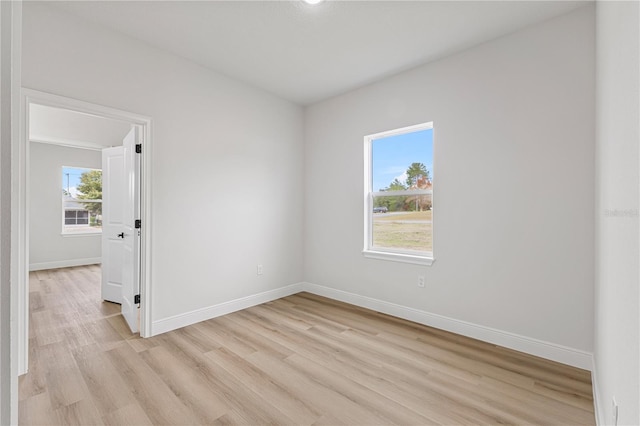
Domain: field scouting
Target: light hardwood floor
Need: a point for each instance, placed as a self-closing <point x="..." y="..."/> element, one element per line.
<point x="299" y="360"/>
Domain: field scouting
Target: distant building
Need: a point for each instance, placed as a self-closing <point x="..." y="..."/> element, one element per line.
<point x="75" y="213"/>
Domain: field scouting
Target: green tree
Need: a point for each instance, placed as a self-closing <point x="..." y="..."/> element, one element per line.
<point x="90" y="188"/>
<point x="393" y="203"/>
<point x="396" y="185"/>
<point x="414" y="171"/>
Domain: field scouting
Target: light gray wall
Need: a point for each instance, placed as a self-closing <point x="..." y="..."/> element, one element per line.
<point x="513" y="184"/>
<point x="70" y="128"/>
<point x="226" y="167"/>
<point x="48" y="248"/>
<point x="617" y="330"/>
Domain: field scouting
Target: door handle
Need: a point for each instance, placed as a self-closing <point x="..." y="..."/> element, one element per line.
<point x="121" y="235"/>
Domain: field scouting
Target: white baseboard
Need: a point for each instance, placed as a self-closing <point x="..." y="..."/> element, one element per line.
<point x="551" y="351"/>
<point x="203" y="314"/>
<point x="64" y="263"/>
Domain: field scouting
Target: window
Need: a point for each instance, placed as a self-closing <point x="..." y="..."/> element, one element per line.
<point x="76" y="217"/>
<point x="399" y="195"/>
<point x="81" y="200"/>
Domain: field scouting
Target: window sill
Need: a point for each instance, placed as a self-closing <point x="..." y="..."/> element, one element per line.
<point x="399" y="257"/>
<point x="80" y="234"/>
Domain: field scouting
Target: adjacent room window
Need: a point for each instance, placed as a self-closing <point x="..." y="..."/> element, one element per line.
<point x="399" y="194"/>
<point x="81" y="200"/>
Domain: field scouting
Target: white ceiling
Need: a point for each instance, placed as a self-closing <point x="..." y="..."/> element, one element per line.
<point x="309" y="53"/>
<point x="70" y="128"/>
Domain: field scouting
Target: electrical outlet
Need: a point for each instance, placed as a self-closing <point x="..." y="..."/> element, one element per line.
<point x="421" y="281"/>
<point x="614" y="411"/>
<point x="259" y="270"/>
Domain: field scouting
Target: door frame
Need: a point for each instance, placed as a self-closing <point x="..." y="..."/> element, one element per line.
<point x="20" y="227"/>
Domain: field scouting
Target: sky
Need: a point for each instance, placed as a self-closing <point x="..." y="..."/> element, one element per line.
<point x="73" y="174"/>
<point x="393" y="155"/>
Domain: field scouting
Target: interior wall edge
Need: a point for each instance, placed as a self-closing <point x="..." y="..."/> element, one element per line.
<point x="597" y="409"/>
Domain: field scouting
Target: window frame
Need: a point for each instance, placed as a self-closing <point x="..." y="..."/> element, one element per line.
<point x="87" y="230"/>
<point x="382" y="253"/>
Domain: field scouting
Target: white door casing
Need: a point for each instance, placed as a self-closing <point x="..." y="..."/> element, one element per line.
<point x="113" y="186"/>
<point x="20" y="223"/>
<point x="131" y="240"/>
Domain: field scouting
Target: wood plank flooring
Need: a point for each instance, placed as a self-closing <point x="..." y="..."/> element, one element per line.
<point x="301" y="360"/>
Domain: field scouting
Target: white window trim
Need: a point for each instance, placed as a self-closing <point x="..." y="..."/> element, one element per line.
<point x="404" y="256"/>
<point x="89" y="231"/>
<point x="81" y="234"/>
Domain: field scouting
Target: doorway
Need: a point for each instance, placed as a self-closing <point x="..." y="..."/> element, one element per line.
<point x="34" y="101"/>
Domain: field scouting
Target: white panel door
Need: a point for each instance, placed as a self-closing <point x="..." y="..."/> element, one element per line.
<point x="113" y="184"/>
<point x="131" y="240"/>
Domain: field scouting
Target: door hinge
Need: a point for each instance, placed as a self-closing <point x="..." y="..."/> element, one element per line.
<point x="138" y="223"/>
<point x="136" y="299"/>
<point x="138" y="148"/>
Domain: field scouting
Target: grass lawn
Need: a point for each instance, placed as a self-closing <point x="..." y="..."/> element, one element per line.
<point x="407" y="230"/>
<point x="426" y="215"/>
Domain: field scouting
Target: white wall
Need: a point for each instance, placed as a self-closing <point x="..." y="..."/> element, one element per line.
<point x="617" y="330"/>
<point x="48" y="248"/>
<point x="226" y="167"/>
<point x="513" y="186"/>
<point x="70" y="128"/>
